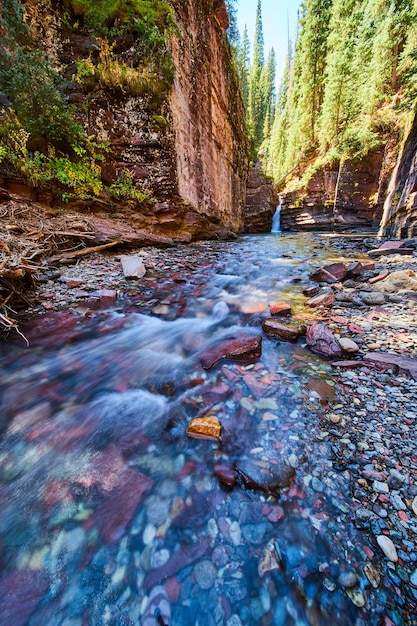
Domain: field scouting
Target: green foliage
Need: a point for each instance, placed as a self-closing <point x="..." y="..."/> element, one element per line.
<point x="124" y="187"/>
<point x="82" y="176"/>
<point x="149" y="68"/>
<point x="113" y="17"/>
<point x="40" y="138"/>
<point x="33" y="86"/>
<point x="111" y="72"/>
<point x="354" y="59"/>
<point x="14" y="29"/>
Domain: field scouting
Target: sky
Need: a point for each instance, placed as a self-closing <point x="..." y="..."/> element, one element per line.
<point x="278" y="16"/>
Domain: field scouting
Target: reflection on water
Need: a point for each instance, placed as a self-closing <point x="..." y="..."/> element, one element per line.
<point x="108" y="509"/>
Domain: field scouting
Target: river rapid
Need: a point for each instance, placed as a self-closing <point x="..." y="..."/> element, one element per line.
<point x="110" y="511"/>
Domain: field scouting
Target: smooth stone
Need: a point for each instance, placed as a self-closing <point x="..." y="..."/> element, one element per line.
<point x="317" y="485"/>
<point x="413" y="578"/>
<point x="372" y="298"/>
<point x="387" y="547"/>
<point x="205" y="574"/>
<point x="293" y="461"/>
<point x="348" y="345"/>
<point x="372" y="575"/>
<point x="357" y="597"/>
<point x="255" y="533"/>
<point x="414" y="505"/>
<point x="132" y="266"/>
<point x="348" y="580"/>
<point x="235" y="533"/>
<point x="149" y="534"/>
<point x="380" y="487"/>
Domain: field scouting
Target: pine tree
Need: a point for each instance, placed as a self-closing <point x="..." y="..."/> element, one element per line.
<point x="255" y="110"/>
<point x="339" y="102"/>
<point x="274" y="159"/>
<point x="243" y="63"/>
<point x="232" y="31"/>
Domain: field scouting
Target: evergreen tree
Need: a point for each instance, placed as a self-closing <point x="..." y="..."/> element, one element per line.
<point x="243" y="63"/>
<point x="275" y="157"/>
<point x="267" y="88"/>
<point x="232" y="31"/>
<point x="255" y="109"/>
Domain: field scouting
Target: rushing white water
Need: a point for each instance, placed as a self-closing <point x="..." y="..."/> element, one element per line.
<point x="276" y="220"/>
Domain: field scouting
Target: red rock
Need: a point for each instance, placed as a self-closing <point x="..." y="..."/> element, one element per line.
<point x="354" y="328"/>
<point x="173" y="589"/>
<point x="246" y="349"/>
<point x="280" y="308"/>
<point x="326" y="298"/>
<point x="184" y="556"/>
<point x="272" y="328"/>
<point x="376" y="279"/>
<point x="393" y="243"/>
<point x="369" y="553"/>
<point x="355" y="269"/>
<point x="276" y="513"/>
<point x="253" y="308"/>
<point x="322" y="341"/>
<point x="338" y="319"/>
<point x="20" y="593"/>
<point x="71" y="281"/>
<point x="347" y="364"/>
<point x="330" y="273"/>
<point x="323" y="389"/>
<point x="403" y="516"/>
<point x="225" y="474"/>
<point x="309" y="292"/>
<point x="116" y="512"/>
<point x="401" y="364"/>
<point x="187" y="469"/>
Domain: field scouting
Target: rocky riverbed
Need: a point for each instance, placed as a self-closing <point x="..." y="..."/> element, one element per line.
<point x="331" y="526"/>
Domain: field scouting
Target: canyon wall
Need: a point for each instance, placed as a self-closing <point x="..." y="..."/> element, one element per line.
<point x="184" y="152"/>
<point x="399" y="217"/>
<point x="260" y="202"/>
<point x="340" y="198"/>
<point x="207" y="113"/>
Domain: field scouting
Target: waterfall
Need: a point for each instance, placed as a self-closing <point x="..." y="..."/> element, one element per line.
<point x="276" y="220"/>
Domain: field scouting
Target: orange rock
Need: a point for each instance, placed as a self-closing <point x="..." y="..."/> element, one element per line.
<point x="251" y="308"/>
<point x="207" y="427"/>
<point x="280" y="308"/>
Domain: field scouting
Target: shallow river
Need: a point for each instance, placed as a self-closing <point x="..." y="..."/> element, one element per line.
<point x="110" y="511"/>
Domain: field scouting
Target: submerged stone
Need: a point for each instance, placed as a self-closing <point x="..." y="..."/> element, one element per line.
<point x="273" y="328"/>
<point x="207" y="427"/>
<point x="245" y="349"/>
<point x="387" y="546"/>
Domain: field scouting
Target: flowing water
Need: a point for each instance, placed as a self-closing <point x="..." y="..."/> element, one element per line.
<point x="106" y="502"/>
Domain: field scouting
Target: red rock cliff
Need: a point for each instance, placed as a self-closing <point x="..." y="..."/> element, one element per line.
<point x="207" y="114"/>
<point x="187" y="155"/>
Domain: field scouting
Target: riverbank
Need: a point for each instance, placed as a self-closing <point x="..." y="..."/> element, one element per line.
<point x="361" y="421"/>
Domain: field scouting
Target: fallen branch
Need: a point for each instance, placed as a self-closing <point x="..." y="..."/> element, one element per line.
<point x="79" y="253"/>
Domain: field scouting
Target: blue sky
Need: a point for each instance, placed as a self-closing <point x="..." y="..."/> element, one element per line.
<point x="277" y="15"/>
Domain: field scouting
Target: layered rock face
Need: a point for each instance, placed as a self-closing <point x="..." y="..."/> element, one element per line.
<point x="207" y="113"/>
<point x="336" y="199"/>
<point x="400" y="208"/>
<point x="186" y="154"/>
<point x="260" y="203"/>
